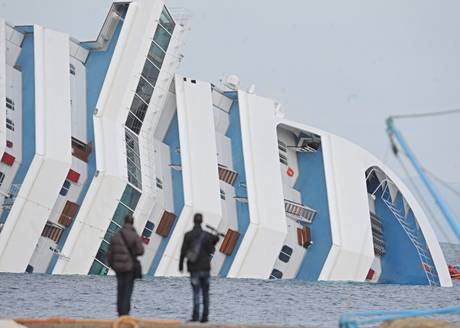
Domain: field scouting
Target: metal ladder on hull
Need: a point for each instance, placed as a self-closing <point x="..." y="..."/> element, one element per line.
<point x="421" y="248"/>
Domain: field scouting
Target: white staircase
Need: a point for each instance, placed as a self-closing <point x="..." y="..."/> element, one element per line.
<point x="299" y="211"/>
<point x="421" y="248"/>
<point x="9" y="200"/>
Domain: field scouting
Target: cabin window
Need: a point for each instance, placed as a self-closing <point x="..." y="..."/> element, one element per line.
<point x="166" y="20"/>
<point x="222" y="194"/>
<point x="282" y="147"/>
<point x="72" y="69"/>
<point x="65" y="188"/>
<point x="144" y="90"/>
<point x="2" y="177"/>
<point x="159" y="183"/>
<point x="156" y="55"/>
<point x="9" y="103"/>
<point x="148" y="229"/>
<point x="150" y="72"/>
<point x="276" y="274"/>
<point x="10" y="124"/>
<point x="285" y="254"/>
<point x="162" y="37"/>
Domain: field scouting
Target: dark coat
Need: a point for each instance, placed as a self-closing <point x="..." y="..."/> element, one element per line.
<point x="203" y="263"/>
<point x="119" y="258"/>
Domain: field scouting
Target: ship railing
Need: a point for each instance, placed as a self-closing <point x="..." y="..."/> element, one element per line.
<point x="11" y="196"/>
<point x="299" y="211"/>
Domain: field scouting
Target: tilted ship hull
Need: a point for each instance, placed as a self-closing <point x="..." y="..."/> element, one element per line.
<point x="96" y="130"/>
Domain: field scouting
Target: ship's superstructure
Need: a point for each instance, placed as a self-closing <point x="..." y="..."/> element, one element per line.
<point x="96" y="130"/>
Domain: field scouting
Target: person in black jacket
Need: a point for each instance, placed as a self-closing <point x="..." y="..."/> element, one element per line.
<point x="124" y="245"/>
<point x="202" y="243"/>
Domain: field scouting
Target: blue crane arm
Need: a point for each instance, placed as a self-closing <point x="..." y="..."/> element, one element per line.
<point x="393" y="131"/>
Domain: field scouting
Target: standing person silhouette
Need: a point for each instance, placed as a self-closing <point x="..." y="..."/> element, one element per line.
<point x="124" y="247"/>
<point x="197" y="247"/>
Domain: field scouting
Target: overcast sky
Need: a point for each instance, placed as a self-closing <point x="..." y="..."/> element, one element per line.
<point x="343" y="66"/>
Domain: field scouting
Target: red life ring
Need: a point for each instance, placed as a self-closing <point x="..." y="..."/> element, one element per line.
<point x="290" y="172"/>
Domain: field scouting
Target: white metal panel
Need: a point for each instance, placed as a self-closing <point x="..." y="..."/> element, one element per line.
<point x="267" y="228"/>
<point x="52" y="158"/>
<point x="78" y="96"/>
<point x="2" y="85"/>
<point x="199" y="166"/>
<point x="13" y="44"/>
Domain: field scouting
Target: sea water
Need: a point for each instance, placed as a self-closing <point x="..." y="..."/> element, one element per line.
<point x="250" y="301"/>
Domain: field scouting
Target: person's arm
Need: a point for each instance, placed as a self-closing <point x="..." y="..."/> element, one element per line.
<point x="183" y="251"/>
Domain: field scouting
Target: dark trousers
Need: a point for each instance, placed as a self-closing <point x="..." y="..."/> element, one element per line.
<point x="200" y="281"/>
<point x="125" y="284"/>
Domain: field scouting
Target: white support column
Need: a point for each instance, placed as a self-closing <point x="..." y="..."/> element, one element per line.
<point x="52" y="158"/>
<point x="199" y="166"/>
<point x="267" y="228"/>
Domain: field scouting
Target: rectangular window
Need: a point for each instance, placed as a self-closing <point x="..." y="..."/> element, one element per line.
<point x="130" y="197"/>
<point x="156" y="55"/>
<point x="162" y="37"/>
<point x="2" y="177"/>
<point x="282" y="146"/>
<point x="98" y="268"/>
<point x="138" y="107"/>
<point x="133" y="159"/>
<point x="144" y="90"/>
<point x="222" y="194"/>
<point x="276" y="274"/>
<point x="133" y="123"/>
<point x="150" y="72"/>
<point x="120" y="212"/>
<point x="148" y="229"/>
<point x="9" y="103"/>
<point x="10" y="124"/>
<point x="65" y="188"/>
<point x="113" y="228"/>
<point x="134" y="175"/>
<point x="72" y="69"/>
<point x="166" y="21"/>
<point x="159" y="183"/>
<point x="285" y="254"/>
<point x="283" y="159"/>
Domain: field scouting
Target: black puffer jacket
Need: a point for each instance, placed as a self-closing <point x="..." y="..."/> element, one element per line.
<point x="203" y="263"/>
<point x="118" y="255"/>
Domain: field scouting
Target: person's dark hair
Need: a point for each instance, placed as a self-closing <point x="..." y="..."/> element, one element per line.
<point x="129" y="219"/>
<point x="198" y="218"/>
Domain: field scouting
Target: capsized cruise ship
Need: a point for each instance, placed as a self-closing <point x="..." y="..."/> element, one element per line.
<point x="96" y="130"/>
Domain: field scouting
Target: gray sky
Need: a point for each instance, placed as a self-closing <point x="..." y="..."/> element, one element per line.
<point x="342" y="66"/>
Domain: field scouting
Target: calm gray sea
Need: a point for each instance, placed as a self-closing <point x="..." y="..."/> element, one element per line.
<point x="232" y="300"/>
